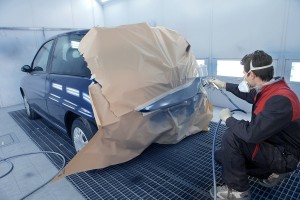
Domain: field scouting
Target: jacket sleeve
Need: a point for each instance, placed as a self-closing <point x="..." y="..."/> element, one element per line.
<point x="276" y="115"/>
<point x="233" y="88"/>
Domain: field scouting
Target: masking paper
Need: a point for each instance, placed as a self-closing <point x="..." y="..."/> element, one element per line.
<point x="133" y="65"/>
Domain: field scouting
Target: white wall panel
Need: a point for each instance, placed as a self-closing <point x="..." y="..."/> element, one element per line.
<point x="292" y="36"/>
<point x="223" y="29"/>
<point x="198" y="27"/>
<point x="83" y="13"/>
<point x="50" y="14"/>
<point x="17" y="49"/>
<point x="98" y="18"/>
<point x="219" y="29"/>
<point x="14" y="13"/>
<point x="240" y="27"/>
<point x="54" y="13"/>
<point x="18" y="46"/>
<point x="116" y="13"/>
<point x="137" y="12"/>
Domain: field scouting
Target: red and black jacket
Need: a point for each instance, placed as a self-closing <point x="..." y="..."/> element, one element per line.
<point x="275" y="117"/>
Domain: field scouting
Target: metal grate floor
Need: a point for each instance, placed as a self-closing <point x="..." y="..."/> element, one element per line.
<point x="180" y="171"/>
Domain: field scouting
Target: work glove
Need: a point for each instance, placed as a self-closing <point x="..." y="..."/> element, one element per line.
<point x="224" y="114"/>
<point x="218" y="83"/>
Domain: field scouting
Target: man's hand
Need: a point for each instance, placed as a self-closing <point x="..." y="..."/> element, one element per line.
<point x="224" y="114"/>
<point x="218" y="83"/>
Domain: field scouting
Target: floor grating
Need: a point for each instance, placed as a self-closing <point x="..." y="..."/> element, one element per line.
<point x="180" y="171"/>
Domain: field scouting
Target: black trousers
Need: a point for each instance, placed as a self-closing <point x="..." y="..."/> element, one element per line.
<point x="240" y="160"/>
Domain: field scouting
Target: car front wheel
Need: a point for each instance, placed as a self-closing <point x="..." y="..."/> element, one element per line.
<point x="82" y="132"/>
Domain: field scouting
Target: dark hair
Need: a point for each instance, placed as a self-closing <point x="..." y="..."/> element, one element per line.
<point x="259" y="58"/>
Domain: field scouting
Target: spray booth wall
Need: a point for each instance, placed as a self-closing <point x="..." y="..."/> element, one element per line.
<point x="218" y="29"/>
<point x="26" y="24"/>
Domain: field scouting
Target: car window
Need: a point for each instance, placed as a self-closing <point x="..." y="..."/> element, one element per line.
<point x="41" y="58"/>
<point x="67" y="59"/>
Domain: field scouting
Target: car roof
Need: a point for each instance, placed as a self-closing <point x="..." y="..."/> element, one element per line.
<point x="83" y="31"/>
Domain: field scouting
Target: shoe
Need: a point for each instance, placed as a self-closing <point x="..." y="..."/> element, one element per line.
<point x="272" y="180"/>
<point x="223" y="192"/>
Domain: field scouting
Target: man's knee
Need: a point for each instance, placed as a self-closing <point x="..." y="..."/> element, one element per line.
<point x="230" y="142"/>
<point x="228" y="137"/>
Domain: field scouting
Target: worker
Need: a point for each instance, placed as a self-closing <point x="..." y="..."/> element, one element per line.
<point x="268" y="146"/>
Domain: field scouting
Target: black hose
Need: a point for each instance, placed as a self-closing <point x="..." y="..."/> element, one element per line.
<point x="25" y="154"/>
<point x="11" y="167"/>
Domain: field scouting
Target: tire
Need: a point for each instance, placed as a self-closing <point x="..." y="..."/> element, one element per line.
<point x="30" y="112"/>
<point x="82" y="132"/>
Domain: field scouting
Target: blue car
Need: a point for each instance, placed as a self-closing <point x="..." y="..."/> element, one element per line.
<point x="56" y="87"/>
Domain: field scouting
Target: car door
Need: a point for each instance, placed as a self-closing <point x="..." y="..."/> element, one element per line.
<point x="35" y="90"/>
<point x="68" y="81"/>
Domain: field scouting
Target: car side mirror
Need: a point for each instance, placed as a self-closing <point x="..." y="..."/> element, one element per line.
<point x="26" y="68"/>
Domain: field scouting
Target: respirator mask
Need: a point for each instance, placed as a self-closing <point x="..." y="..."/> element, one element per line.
<point x="244" y="86"/>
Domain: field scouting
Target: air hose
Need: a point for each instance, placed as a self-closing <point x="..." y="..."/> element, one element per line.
<point x="25" y="154"/>
<point x="214" y="141"/>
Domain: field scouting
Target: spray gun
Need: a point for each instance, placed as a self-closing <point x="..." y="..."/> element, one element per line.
<point x="203" y="73"/>
<point x="213" y="84"/>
